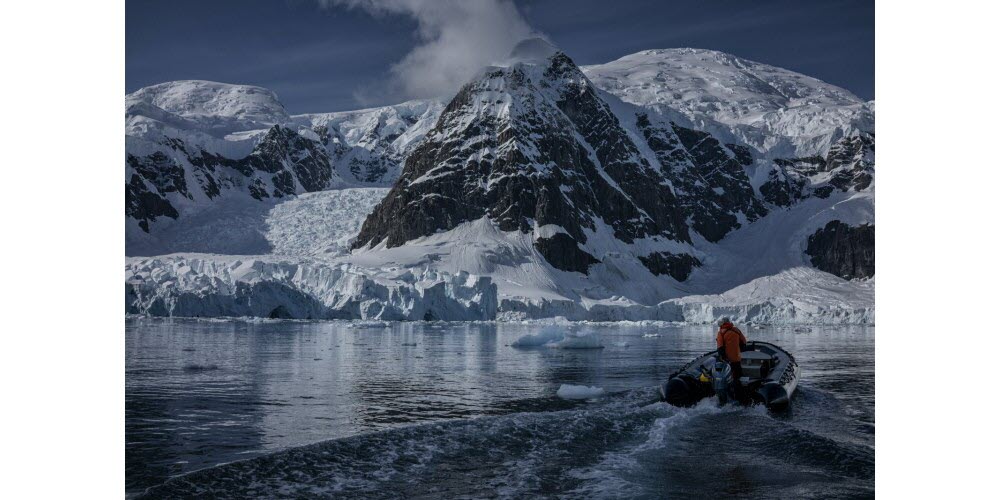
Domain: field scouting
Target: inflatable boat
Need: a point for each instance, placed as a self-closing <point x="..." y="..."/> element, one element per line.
<point x="770" y="376"/>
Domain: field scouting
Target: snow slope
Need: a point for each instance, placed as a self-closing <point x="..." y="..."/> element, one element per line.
<point x="771" y="109"/>
<point x="774" y="243"/>
<point x="798" y="295"/>
<point x="214" y="107"/>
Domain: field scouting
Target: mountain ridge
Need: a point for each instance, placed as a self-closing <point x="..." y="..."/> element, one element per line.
<point x="573" y="198"/>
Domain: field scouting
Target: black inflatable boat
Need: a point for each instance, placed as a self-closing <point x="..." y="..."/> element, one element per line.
<point x="770" y="375"/>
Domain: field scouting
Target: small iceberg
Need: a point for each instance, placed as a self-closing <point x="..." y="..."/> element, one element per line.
<point x="559" y="339"/>
<point x="581" y="340"/>
<point x="547" y="335"/>
<point x="567" y="391"/>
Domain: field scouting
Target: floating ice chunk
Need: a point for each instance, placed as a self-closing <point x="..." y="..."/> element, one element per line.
<point x="567" y="391"/>
<point x="581" y="340"/>
<point x="556" y="337"/>
<point x="547" y="335"/>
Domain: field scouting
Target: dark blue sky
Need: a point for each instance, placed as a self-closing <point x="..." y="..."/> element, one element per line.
<point x="320" y="59"/>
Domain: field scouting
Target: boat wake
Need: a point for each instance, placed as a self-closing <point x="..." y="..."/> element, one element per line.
<point x="623" y="444"/>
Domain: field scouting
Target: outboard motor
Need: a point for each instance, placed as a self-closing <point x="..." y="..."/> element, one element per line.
<point x="722" y="380"/>
<point x="680" y="391"/>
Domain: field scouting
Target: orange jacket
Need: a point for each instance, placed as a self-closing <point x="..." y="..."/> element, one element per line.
<point x="732" y="338"/>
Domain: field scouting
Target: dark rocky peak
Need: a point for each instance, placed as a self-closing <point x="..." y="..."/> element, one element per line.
<point x="529" y="145"/>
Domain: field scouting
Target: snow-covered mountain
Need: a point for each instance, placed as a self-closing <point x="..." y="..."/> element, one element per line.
<point x="211" y="155"/>
<point x="591" y="193"/>
<point x="769" y="109"/>
<point x="669" y="184"/>
<point x="532" y="148"/>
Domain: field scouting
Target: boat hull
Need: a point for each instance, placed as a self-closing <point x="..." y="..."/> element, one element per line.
<point x="777" y="378"/>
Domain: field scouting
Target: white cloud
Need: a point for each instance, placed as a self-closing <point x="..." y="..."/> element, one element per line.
<point x="457" y="38"/>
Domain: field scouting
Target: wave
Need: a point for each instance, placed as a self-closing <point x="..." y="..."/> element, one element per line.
<point x="624" y="444"/>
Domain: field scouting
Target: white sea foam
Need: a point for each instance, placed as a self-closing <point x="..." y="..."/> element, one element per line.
<point x="567" y="391"/>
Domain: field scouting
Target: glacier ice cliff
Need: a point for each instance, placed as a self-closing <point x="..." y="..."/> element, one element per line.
<point x="206" y="285"/>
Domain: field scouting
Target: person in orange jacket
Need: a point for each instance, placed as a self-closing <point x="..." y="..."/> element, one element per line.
<point x="731" y="342"/>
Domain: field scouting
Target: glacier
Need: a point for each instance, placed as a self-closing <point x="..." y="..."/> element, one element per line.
<point x="208" y="286"/>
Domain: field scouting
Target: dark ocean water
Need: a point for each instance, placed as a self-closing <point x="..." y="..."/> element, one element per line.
<point x="430" y="410"/>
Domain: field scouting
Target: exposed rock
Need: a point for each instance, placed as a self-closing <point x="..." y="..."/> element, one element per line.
<point x="160" y="171"/>
<point x="563" y="253"/>
<point x="848" y="252"/>
<point x="677" y="266"/>
<point x="849" y="165"/>
<point x="284" y="150"/>
<point x="780" y="190"/>
<point x="145" y="206"/>
<point x="708" y="179"/>
<point x="281" y="164"/>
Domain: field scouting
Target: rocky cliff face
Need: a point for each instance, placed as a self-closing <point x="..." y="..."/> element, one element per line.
<point x="843" y="250"/>
<point x="283" y="163"/>
<point x="849" y="165"/>
<point x="708" y="177"/>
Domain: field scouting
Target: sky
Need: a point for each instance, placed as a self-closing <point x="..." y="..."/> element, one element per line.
<point x="333" y="55"/>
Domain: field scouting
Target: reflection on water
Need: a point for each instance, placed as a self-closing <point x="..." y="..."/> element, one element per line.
<point x="203" y="393"/>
